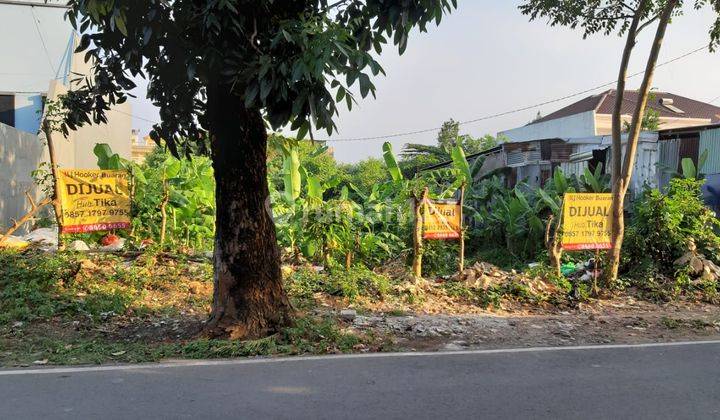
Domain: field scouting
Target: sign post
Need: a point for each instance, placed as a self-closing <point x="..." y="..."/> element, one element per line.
<point x="461" y="262"/>
<point x="587" y="224"/>
<point x="93" y="200"/>
<point x="437" y="219"/>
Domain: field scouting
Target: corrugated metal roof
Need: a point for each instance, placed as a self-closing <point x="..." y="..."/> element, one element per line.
<point x="710" y="141"/>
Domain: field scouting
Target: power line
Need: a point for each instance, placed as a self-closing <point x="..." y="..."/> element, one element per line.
<point x="514" y="111"/>
<point x="491" y="116"/>
<point x="134" y="116"/>
<point x="42" y="39"/>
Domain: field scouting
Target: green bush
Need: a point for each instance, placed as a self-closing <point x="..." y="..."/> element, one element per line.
<point x="35" y="286"/>
<point x="440" y="258"/>
<point x="353" y="283"/>
<point x="663" y="224"/>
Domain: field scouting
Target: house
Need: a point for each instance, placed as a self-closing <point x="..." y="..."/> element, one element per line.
<point x="592" y="116"/>
<point x="578" y="137"/>
<point x="38" y="63"/>
<point x="140" y="147"/>
<point x="692" y="143"/>
<point x="533" y="162"/>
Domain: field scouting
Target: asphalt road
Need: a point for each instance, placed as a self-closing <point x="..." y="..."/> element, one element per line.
<point x="665" y="381"/>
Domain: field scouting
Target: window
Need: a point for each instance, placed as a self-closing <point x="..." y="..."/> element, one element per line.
<point x="7" y="110"/>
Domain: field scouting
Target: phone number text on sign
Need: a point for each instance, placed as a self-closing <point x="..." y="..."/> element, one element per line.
<point x="94" y="200"/>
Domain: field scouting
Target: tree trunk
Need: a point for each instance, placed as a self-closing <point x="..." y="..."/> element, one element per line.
<point x="417" y="236"/>
<point x="46" y="128"/>
<point x="622" y="177"/>
<point x="248" y="300"/>
<point x="553" y="245"/>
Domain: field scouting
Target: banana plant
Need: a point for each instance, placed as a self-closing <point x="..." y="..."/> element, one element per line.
<point x="391" y="163"/>
<point x="690" y="171"/>
<point x="595" y="182"/>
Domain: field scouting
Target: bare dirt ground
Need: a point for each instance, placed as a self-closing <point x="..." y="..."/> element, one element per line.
<point x="622" y="320"/>
<point x="119" y="310"/>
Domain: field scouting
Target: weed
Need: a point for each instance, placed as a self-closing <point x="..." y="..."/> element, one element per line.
<point x="37" y="285"/>
<point x="671" y="323"/>
<point x="353" y="283"/>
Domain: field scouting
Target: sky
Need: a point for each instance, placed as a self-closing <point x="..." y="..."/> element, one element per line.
<point x="487" y="58"/>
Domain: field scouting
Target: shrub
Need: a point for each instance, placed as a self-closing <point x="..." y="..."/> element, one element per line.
<point x="353" y="283"/>
<point x="34" y="286"/>
<point x="662" y="225"/>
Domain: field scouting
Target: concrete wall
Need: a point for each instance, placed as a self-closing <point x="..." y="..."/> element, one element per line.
<point x="116" y="133"/>
<point x="578" y="125"/>
<point x="20" y="154"/>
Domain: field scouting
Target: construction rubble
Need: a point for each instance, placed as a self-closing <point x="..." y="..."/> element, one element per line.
<point x="485" y="276"/>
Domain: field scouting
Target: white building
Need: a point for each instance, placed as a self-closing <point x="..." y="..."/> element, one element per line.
<point x="592" y="116"/>
<point x="36" y="64"/>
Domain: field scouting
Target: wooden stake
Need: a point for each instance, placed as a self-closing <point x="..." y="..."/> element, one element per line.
<point x="461" y="263"/>
<point x="596" y="273"/>
<point x="417" y="235"/>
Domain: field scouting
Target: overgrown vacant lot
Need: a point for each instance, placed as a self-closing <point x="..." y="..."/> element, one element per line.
<point x="71" y="308"/>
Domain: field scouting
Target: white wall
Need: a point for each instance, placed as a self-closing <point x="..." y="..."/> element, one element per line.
<point x="34" y="62"/>
<point x="116" y="133"/>
<point x="578" y="125"/>
<point x="26" y="66"/>
<point x="20" y="154"/>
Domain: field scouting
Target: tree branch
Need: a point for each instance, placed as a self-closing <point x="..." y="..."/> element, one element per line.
<point x="35" y="207"/>
<point x="646" y="24"/>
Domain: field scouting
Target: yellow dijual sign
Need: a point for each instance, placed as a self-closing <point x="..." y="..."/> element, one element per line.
<point x="587" y="221"/>
<point x="93" y="200"/>
<point x="441" y="219"/>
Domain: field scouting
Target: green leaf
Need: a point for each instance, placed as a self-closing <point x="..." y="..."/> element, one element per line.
<point x="593" y="182"/>
<point x="702" y="160"/>
<point x="138" y="174"/>
<point x="688" y="168"/>
<point x="365" y="84"/>
<point x="303" y="130"/>
<point x="171" y="167"/>
<point x="561" y="184"/>
<point x="461" y="163"/>
<point x="120" y="23"/>
<point x="551" y="203"/>
<point x="391" y="163"/>
<point x="314" y="189"/>
<point x="114" y="163"/>
<point x="103" y="153"/>
<point x="476" y="167"/>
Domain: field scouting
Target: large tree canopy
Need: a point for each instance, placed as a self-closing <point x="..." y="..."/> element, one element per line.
<point x="230" y="67"/>
<point x="608" y="16"/>
<point x="295" y="60"/>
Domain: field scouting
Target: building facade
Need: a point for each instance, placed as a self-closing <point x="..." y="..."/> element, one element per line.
<point x="592" y="116"/>
<point x="37" y="63"/>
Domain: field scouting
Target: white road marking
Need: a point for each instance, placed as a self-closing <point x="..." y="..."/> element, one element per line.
<point x="230" y="362"/>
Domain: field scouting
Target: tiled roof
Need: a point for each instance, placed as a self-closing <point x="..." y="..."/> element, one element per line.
<point x="605" y="102"/>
